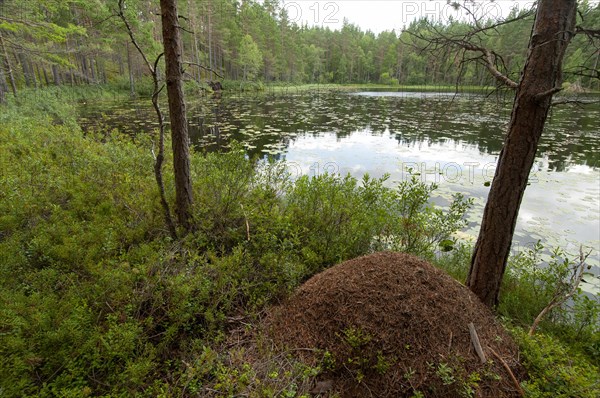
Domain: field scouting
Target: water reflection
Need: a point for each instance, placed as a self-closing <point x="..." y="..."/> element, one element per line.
<point x="268" y="124"/>
<point x="450" y="139"/>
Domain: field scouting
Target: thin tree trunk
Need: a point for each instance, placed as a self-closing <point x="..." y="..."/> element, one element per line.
<point x="552" y="31"/>
<point x="3" y="87"/>
<point x="120" y="62"/>
<point x="92" y="70"/>
<point x="11" y="77"/>
<point x="46" y="79"/>
<point x="38" y="73"/>
<point x="32" y="74"/>
<point x="102" y="69"/>
<point x="177" y="111"/>
<point x="210" y="46"/>
<point x="56" y="75"/>
<point x="84" y="68"/>
<point x="159" y="158"/>
<point x="196" y="53"/>
<point x="26" y="75"/>
<point x="131" y="78"/>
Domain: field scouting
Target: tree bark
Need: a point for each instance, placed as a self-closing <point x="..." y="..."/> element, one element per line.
<point x="3" y="87"/>
<point x="159" y="158"/>
<point x="92" y="70"/>
<point x="9" y="71"/>
<point x="23" y="62"/>
<point x="179" y="126"/>
<point x="32" y="74"/>
<point x="552" y="31"/>
<point x="46" y="80"/>
<point x="129" y="68"/>
<point x="56" y="75"/>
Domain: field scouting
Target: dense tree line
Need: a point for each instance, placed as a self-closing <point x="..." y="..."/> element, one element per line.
<point x="50" y="42"/>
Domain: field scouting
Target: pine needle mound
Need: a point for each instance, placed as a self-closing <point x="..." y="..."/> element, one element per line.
<point x="393" y="325"/>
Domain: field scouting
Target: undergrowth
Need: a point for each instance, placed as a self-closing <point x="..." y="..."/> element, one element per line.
<point x="96" y="299"/>
<point x="563" y="357"/>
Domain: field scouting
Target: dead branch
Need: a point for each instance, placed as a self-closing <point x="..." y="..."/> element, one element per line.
<point x="560" y="296"/>
<point x="206" y="68"/>
<point x="486" y="57"/>
<point x="575" y="102"/>
<point x="476" y="343"/>
<point x="510" y="372"/>
<point x="591" y="33"/>
<point x="158" y="158"/>
<point x="545" y="94"/>
<point x="121" y="14"/>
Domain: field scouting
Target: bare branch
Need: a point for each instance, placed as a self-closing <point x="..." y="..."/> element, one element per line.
<point x="544" y="94"/>
<point x="487" y="57"/>
<point x="121" y="14"/>
<point x="591" y="33"/>
<point x="159" y="157"/>
<point x="577" y="102"/>
<point x="510" y="373"/>
<point x="561" y="296"/>
<point x="206" y="68"/>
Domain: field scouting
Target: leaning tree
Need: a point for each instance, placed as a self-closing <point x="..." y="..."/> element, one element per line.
<point x="541" y="77"/>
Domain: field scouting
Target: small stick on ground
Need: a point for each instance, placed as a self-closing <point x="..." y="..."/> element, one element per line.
<point x="510" y="373"/>
<point x="476" y="343"/>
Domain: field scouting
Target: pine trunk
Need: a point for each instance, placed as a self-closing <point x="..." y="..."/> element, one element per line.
<point x="55" y="75"/>
<point x="131" y="77"/>
<point x="552" y="31"/>
<point x="3" y="87"/>
<point x="11" y="77"/>
<point x="179" y="126"/>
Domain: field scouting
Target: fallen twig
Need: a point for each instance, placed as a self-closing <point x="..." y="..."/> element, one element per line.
<point x="510" y="373"/>
<point x="476" y="343"/>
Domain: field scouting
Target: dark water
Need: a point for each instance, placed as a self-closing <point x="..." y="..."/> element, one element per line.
<point x="453" y="140"/>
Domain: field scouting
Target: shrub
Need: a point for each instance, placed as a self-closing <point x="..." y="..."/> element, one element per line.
<point x="95" y="298"/>
<point x="555" y="370"/>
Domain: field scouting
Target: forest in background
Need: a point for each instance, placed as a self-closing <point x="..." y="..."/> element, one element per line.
<point x="51" y="42"/>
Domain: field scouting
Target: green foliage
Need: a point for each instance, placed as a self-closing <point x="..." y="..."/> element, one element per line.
<point x="445" y="373"/>
<point x="95" y="299"/>
<point x="386" y="79"/>
<point x="358" y="359"/>
<point x="555" y="370"/>
<point x="252" y="40"/>
<point x="530" y="285"/>
<point x="334" y="217"/>
<point x="532" y="279"/>
<point x="250" y="57"/>
<point x="422" y="226"/>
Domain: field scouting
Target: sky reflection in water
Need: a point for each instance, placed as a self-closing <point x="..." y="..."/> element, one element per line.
<point x="453" y="140"/>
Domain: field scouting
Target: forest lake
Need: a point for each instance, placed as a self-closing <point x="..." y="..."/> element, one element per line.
<point x="451" y="139"/>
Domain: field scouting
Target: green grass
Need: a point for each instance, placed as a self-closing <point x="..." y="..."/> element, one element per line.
<point x="277" y="87"/>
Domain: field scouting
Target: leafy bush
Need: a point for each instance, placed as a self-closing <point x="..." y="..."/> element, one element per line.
<point x="531" y="283"/>
<point x="334" y="218"/>
<point x="95" y="298"/>
<point x="386" y="79"/>
<point x="554" y="370"/>
<point x="419" y="226"/>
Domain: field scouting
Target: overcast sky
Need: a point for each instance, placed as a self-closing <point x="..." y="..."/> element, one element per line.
<point x="380" y="15"/>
